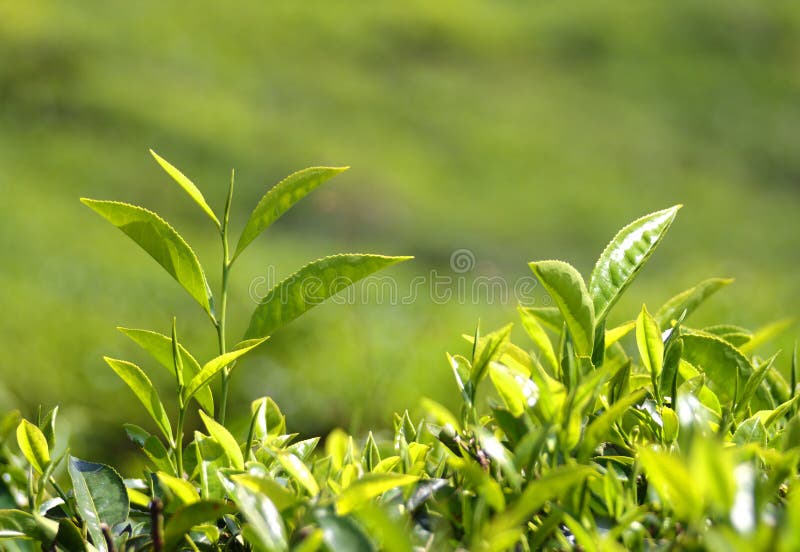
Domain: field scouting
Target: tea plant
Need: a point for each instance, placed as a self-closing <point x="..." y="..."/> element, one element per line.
<point x="648" y="435"/>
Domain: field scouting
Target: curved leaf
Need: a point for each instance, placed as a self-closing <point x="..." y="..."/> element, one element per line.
<point x="567" y="288"/>
<point x="343" y="533"/>
<point x="299" y="471"/>
<point x="651" y="347"/>
<point x="280" y="198"/>
<point x="625" y="256"/>
<point x="689" y="300"/>
<point x="368" y="487"/>
<point x="720" y="361"/>
<point x="160" y="348"/>
<point x="187" y="185"/>
<point x="100" y="495"/>
<point x="265" y="529"/>
<point x="143" y="388"/>
<point x="33" y="445"/>
<point x="227" y="441"/>
<point x="161" y="241"/>
<point x="310" y="286"/>
<point x="538" y="335"/>
<point x="215" y="366"/>
<point x="19" y="524"/>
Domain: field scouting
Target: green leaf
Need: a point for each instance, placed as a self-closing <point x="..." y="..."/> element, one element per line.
<point x="280" y="496"/>
<point x="100" y="495"/>
<point x="178" y="491"/>
<point x="190" y="515"/>
<point x="227" y="441"/>
<point x="162" y="242"/>
<point x="160" y="348"/>
<point x="69" y="537"/>
<point x="342" y="533"/>
<point x="143" y="388"/>
<point x="515" y="389"/>
<point x="216" y="365"/>
<point x="368" y="487"/>
<point x="187" y="185"/>
<point x="674" y="483"/>
<point x="598" y="430"/>
<point x="689" y="300"/>
<point x="625" y="256"/>
<point x="19" y="524"/>
<point x="267" y="530"/>
<point x="33" y="445"/>
<point x="651" y="347"/>
<point x="310" y="286"/>
<point x="750" y="431"/>
<point x="489" y="348"/>
<point x="552" y="485"/>
<point x="281" y="198"/>
<point x="538" y="335"/>
<point x="299" y="471"/>
<point x="721" y="361"/>
<point x="567" y="288"/>
<point x="765" y="334"/>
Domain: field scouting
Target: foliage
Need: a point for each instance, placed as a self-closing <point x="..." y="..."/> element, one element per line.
<point x="650" y="435"/>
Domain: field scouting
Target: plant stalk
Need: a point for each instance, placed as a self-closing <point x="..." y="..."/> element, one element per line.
<point x="223" y="307"/>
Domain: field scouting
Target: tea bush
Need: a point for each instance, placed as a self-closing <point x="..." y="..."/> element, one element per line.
<point x="651" y="435"/>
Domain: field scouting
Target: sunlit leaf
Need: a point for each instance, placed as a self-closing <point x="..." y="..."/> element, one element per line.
<point x="142" y="387"/>
<point x="188" y="186"/>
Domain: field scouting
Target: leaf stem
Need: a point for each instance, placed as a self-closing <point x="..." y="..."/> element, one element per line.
<point x="179" y="435"/>
<point x="226" y="266"/>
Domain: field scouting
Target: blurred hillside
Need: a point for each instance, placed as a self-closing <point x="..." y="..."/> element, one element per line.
<point x="516" y="130"/>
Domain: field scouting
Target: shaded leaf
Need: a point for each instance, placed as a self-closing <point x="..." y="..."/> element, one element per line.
<point x="191" y="515"/>
<point x="100" y="496"/>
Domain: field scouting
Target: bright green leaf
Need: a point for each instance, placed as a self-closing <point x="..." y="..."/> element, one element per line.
<point x="215" y="366"/>
<point x="298" y="471"/>
<point x="368" y="487"/>
<point x="227" y="441"/>
<point x="33" y="445"/>
<point x="689" y="300"/>
<point x="538" y="335"/>
<point x="160" y="347"/>
<point x="142" y="387"/>
<point x="281" y="198"/>
<point x="187" y="185"/>
<point x="267" y="530"/>
<point x="567" y="288"/>
<point x="161" y="241"/>
<point x="310" y="286"/>
<point x="625" y="256"/>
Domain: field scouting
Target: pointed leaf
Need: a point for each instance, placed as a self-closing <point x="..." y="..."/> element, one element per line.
<point x="161" y="241"/>
<point x="18" y="524"/>
<point x="538" y="335"/>
<point x="299" y="471"/>
<point x="267" y="530"/>
<point x="190" y="515"/>
<point x="228" y="443"/>
<point x="143" y="388"/>
<point x="625" y="256"/>
<point x="310" y="286"/>
<point x="281" y="198"/>
<point x="599" y="428"/>
<point x="160" y="348"/>
<point x="368" y="487"/>
<point x="651" y="348"/>
<point x="100" y="496"/>
<point x="187" y="185"/>
<point x="216" y="365"/>
<point x="567" y="288"/>
<point x="33" y="445"/>
<point x="689" y="300"/>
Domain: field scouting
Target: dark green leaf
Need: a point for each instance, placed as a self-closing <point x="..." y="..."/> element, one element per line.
<point x="100" y="496"/>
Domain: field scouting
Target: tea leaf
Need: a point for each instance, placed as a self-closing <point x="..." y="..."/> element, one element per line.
<point x="228" y="443"/>
<point x="689" y="300"/>
<point x="310" y="286"/>
<point x="160" y="241"/>
<point x="142" y="387"/>
<point x="100" y="496"/>
<point x="281" y="198"/>
<point x="267" y="531"/>
<point x="369" y="487"/>
<point x="216" y="365"/>
<point x="625" y="256"/>
<point x="188" y="186"/>
<point x="567" y="288"/>
<point x="191" y="515"/>
<point x="33" y="445"/>
<point x="160" y="348"/>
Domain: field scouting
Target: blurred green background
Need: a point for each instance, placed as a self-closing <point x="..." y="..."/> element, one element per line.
<point x="517" y="130"/>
